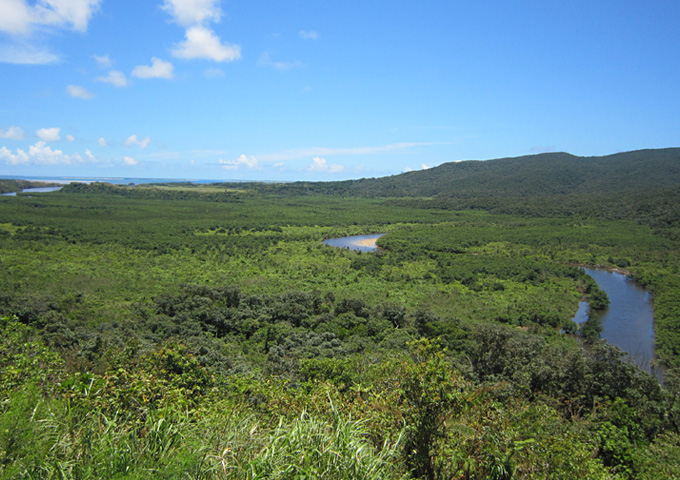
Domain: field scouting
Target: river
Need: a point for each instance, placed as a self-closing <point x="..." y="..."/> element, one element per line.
<point x="628" y="323"/>
<point x="32" y="190"/>
<point x="361" y="243"/>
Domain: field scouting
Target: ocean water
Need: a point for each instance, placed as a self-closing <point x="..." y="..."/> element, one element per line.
<point x="115" y="180"/>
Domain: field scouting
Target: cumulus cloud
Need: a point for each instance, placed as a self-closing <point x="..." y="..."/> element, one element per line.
<point x="115" y="78"/>
<point x="18" y="17"/>
<point x="266" y="61"/>
<point x="77" y="91"/>
<point x="133" y="140"/>
<point x="193" y="12"/>
<point x="49" y="134"/>
<point x="308" y="35"/>
<point x="101" y="142"/>
<point x="40" y="154"/>
<point x="321" y="165"/>
<point x="201" y="42"/>
<point x="158" y="69"/>
<point x="12" y="133"/>
<point x="241" y="161"/>
<point x="70" y="138"/>
<point x="129" y="161"/>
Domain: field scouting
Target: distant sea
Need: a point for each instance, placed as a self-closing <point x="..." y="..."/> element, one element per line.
<point x="116" y="180"/>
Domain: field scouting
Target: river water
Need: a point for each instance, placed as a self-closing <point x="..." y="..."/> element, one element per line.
<point x="32" y="190"/>
<point x="628" y="323"/>
<point x="355" y="243"/>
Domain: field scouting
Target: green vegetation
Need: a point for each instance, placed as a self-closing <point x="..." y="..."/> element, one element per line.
<point x="207" y="332"/>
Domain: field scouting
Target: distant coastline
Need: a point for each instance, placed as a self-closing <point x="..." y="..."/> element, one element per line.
<point x="116" y="180"/>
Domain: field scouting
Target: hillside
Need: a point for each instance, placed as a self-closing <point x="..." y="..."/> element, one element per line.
<point x="546" y="174"/>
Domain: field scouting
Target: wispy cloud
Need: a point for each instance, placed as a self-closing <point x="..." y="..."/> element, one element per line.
<point x="133" y="140"/>
<point x="309" y="34"/>
<point x="103" y="61"/>
<point x="296" y="154"/>
<point x="115" y="78"/>
<point x="129" y="161"/>
<point x="265" y="60"/>
<point x="77" y="91"/>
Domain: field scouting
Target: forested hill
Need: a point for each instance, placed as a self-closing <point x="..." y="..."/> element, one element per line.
<point x="545" y="174"/>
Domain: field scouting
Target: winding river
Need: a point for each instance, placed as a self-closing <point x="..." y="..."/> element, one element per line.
<point x="628" y="323"/>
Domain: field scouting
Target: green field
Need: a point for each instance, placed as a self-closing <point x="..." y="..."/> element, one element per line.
<point x="181" y="332"/>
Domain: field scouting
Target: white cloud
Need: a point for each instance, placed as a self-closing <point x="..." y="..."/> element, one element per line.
<point x="102" y="142"/>
<point x="89" y="155"/>
<point x="49" y="134"/>
<point x="115" y="78"/>
<point x="129" y="161"/>
<point x="158" y="69"/>
<point x="40" y="154"/>
<point x="201" y="42"/>
<point x="18" y="17"/>
<point x="12" y="133"/>
<point x="321" y="165"/>
<point x="70" y="138"/>
<point x="266" y="61"/>
<point x="242" y="161"/>
<point x="133" y="140"/>
<point x="22" y="53"/>
<point x="308" y="35"/>
<point x="79" y="92"/>
<point x="103" y="61"/>
<point x="193" y="12"/>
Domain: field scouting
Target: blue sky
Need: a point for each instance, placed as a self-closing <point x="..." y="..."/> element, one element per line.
<point x="321" y="90"/>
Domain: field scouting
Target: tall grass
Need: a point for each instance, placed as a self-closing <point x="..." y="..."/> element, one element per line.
<point x="310" y="447"/>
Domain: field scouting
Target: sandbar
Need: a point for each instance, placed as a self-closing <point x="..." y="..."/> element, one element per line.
<point x="368" y="242"/>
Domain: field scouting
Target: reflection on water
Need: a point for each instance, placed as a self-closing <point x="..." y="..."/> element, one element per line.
<point x="628" y="323"/>
<point x="360" y="243"/>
